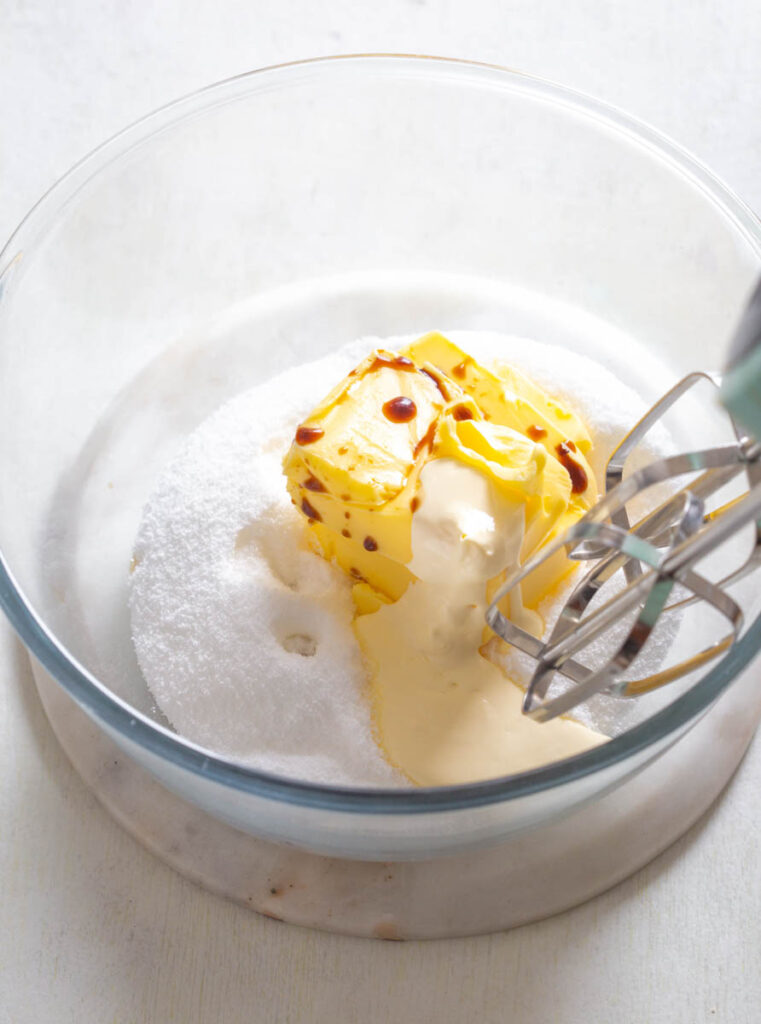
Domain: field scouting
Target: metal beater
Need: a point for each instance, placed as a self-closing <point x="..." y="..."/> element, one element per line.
<point x="654" y="557"/>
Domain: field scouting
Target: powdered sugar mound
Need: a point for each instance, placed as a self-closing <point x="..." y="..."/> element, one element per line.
<point x="242" y="633"/>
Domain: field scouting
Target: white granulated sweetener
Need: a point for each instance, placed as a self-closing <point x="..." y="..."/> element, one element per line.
<point x="242" y="633"/>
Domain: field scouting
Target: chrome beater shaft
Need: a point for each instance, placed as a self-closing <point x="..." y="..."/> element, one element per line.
<point x="653" y="556"/>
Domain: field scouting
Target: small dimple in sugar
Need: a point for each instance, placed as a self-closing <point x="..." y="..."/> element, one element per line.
<point x="242" y="632"/>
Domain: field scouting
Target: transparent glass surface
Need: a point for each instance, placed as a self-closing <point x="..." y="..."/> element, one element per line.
<point x="319" y="202"/>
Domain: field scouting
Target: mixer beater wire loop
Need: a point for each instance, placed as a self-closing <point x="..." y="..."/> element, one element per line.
<point x="655" y="555"/>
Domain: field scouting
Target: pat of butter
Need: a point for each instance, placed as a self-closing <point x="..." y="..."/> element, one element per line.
<point x="354" y="466"/>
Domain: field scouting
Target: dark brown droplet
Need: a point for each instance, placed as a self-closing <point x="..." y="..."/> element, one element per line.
<point x="308" y="435"/>
<point x="345" y="533"/>
<point x="370" y="544"/>
<point x="536" y="433"/>
<point x="426" y="439"/>
<point x="313" y="484"/>
<point x="400" y="409"/>
<point x="415" y="504"/>
<point x="459" y="370"/>
<point x="309" y="510"/>
<point x="577" y="473"/>
<point x="462" y="412"/>
<point x="347" y="515"/>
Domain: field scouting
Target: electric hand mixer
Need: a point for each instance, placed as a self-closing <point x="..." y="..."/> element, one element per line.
<point x="643" y="568"/>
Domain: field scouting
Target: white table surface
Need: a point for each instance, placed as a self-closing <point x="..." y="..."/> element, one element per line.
<point x="92" y="927"/>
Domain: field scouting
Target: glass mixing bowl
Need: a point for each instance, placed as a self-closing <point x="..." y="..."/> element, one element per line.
<point x="327" y="200"/>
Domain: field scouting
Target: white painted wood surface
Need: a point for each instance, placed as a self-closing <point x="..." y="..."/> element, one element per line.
<point x="92" y="928"/>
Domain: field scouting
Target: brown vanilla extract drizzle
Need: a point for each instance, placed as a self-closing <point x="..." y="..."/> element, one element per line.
<point x="385" y="360"/>
<point x="313" y="484"/>
<point x="425" y="440"/>
<point x="309" y="510"/>
<point x="577" y="473"/>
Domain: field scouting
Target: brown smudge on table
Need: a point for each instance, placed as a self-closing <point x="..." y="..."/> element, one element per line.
<point x="387" y="929"/>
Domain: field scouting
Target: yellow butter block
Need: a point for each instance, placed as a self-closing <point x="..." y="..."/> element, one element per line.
<point x="506" y="397"/>
<point x="354" y="464"/>
<point x="353" y="468"/>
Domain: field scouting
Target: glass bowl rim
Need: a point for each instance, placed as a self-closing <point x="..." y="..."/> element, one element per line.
<point x="110" y="710"/>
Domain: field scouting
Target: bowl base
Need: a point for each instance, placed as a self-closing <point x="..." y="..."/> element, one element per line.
<point x="532" y="875"/>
